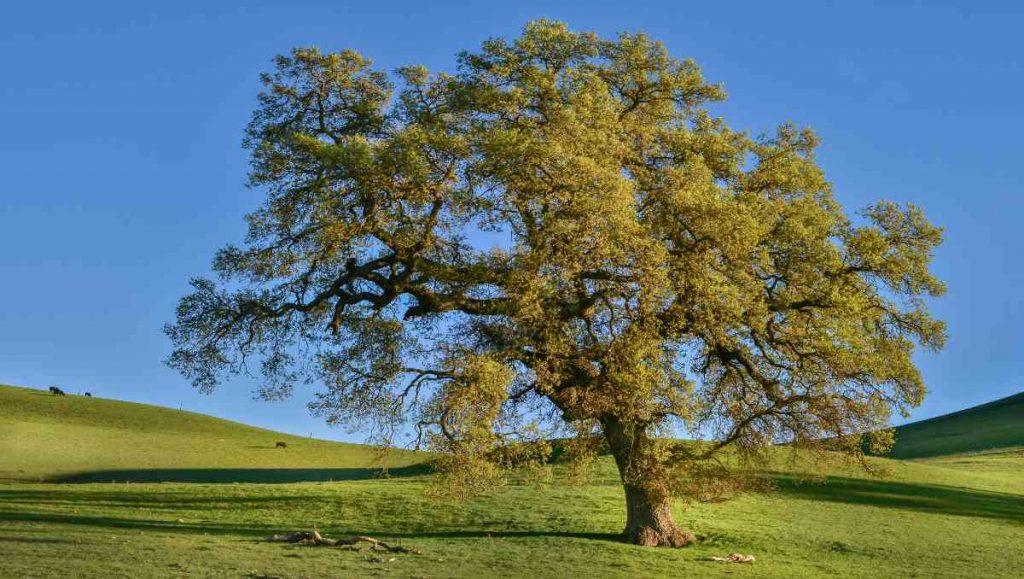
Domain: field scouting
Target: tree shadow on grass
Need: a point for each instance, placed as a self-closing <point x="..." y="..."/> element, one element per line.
<point x="241" y="475"/>
<point x="260" y="532"/>
<point x="184" y="512"/>
<point x="31" y="540"/>
<point x="205" y="527"/>
<point x="176" y="502"/>
<point x="910" y="496"/>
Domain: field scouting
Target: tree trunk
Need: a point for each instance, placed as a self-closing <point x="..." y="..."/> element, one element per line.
<point x="649" y="519"/>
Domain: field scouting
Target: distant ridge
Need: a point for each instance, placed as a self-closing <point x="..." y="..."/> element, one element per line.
<point x="995" y="425"/>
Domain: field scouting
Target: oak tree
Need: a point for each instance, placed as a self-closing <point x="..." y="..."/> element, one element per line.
<point x="559" y="234"/>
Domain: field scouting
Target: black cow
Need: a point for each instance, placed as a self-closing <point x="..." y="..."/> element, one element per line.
<point x="281" y="445"/>
<point x="89" y="394"/>
<point x="57" y="391"/>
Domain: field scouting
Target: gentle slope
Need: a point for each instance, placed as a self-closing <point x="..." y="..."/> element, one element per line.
<point x="955" y="516"/>
<point x="996" y="425"/>
<point x="53" y="438"/>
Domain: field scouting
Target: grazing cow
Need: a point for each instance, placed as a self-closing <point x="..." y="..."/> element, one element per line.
<point x="57" y="391"/>
<point x="281" y="445"/>
<point x="89" y="394"/>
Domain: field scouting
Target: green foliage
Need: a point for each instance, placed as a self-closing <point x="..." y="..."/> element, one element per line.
<point x="662" y="269"/>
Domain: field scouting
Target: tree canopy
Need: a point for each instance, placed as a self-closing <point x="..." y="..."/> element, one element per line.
<point x="559" y="235"/>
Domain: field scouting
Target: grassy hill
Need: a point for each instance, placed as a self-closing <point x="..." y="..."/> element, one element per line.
<point x="74" y="438"/>
<point x="961" y="515"/>
<point x="996" y="425"/>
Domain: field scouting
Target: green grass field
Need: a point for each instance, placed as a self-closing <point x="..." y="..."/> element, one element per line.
<point x="213" y="489"/>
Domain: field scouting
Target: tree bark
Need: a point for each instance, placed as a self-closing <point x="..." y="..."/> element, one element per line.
<point x="649" y="519"/>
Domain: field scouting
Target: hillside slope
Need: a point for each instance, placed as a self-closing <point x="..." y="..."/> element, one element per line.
<point x="996" y="425"/>
<point x="74" y="438"/>
<point x="954" y="516"/>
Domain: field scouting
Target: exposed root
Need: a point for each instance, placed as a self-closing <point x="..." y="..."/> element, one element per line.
<point x="651" y="537"/>
<point x="316" y="539"/>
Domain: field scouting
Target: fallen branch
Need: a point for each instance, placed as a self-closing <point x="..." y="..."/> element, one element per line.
<point x="315" y="538"/>
<point x="305" y="537"/>
<point x="376" y="544"/>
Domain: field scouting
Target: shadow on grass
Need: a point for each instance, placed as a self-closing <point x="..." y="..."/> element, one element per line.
<point x="241" y="475"/>
<point x="909" y="496"/>
<point x="51" y="505"/>
<point x="260" y="532"/>
<point x="205" y="527"/>
<point x="46" y="540"/>
<point x="179" y="510"/>
<point x="181" y="502"/>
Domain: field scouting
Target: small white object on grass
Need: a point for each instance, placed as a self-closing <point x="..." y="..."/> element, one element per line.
<point x="735" y="558"/>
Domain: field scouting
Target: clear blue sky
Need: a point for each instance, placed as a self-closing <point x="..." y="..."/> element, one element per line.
<point x="121" y="169"/>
